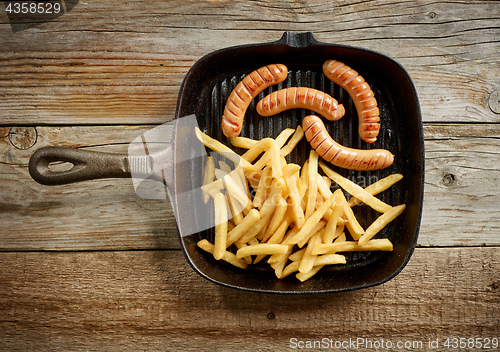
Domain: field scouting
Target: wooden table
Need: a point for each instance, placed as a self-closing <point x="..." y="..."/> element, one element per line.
<point x="93" y="267"/>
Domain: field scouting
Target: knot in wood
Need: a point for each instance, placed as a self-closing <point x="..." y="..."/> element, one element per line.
<point x="22" y="137"/>
<point x="271" y="316"/>
<point x="494" y="101"/>
<point x="448" y="179"/>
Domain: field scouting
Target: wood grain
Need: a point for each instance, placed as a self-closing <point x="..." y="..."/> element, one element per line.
<point x="461" y="178"/>
<point x="107" y="71"/>
<point x="152" y="300"/>
<point x="461" y="187"/>
<point x="123" y="63"/>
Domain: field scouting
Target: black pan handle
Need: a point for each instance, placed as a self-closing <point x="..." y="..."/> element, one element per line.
<point x="87" y="165"/>
<point x="297" y="40"/>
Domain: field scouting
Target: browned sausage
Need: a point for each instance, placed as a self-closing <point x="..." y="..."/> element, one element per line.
<point x="347" y="158"/>
<point x="361" y="94"/>
<point x="301" y="97"/>
<point x="241" y="96"/>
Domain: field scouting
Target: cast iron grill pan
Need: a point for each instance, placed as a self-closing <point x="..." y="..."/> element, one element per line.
<point x="204" y="93"/>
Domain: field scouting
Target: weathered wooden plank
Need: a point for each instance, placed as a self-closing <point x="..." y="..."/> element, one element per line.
<point x="460" y="203"/>
<point x="88" y="215"/>
<point x="109" y="63"/>
<point x="461" y="184"/>
<point x="152" y="300"/>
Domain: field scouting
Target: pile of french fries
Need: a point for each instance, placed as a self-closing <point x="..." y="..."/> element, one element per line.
<point x="266" y="208"/>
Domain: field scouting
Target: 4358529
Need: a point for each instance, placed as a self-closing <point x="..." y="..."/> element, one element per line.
<point x="21" y="7"/>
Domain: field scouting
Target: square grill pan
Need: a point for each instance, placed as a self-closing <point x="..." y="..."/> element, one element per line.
<point x="204" y="92"/>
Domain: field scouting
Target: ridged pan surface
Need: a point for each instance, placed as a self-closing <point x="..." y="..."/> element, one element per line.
<point x="205" y="92"/>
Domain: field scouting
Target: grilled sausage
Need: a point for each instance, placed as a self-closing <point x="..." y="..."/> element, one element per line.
<point x="347" y="158"/>
<point x="241" y="96"/>
<point x="361" y="94"/>
<point x="301" y="97"/>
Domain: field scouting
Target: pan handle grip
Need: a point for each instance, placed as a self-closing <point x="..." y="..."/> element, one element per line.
<point x="87" y="165"/>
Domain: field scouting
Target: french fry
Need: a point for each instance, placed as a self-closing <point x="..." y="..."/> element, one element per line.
<point x="318" y="202"/>
<point x="276" y="237"/>
<point x="380" y="223"/>
<point x="378" y="187"/>
<point x="290" y="268"/>
<point x="208" y="177"/>
<point x="330" y="237"/>
<point x="253" y="178"/>
<point x="290" y="170"/>
<point x="328" y="181"/>
<point x="283" y="161"/>
<point x="235" y="190"/>
<point x="307" y="260"/>
<point x="297" y="255"/>
<point x="220" y="148"/>
<point x="312" y="220"/>
<point x="224" y="166"/>
<point x="213" y="187"/>
<point x="332" y="224"/>
<point x="219" y="174"/>
<point x="319" y="227"/>
<point x="247" y="143"/>
<point x="235" y="209"/>
<point x="276" y="190"/>
<point x="252" y="242"/>
<point x="239" y="245"/>
<point x="239" y="177"/>
<point x="292" y="143"/>
<point x="276" y="220"/>
<point x="277" y="258"/>
<point x="330" y="259"/>
<point x="302" y="188"/>
<point x="354" y="227"/>
<point x="270" y="205"/>
<point x="312" y="183"/>
<point x="295" y="202"/>
<point x="243" y="142"/>
<point x="227" y="256"/>
<point x="272" y="157"/>
<point x="341" y="238"/>
<point x="267" y="210"/>
<point x="355" y="190"/>
<point x="305" y="168"/>
<point x="320" y="260"/>
<point x="379" y="244"/>
<point x="248" y="221"/>
<point x="306" y="276"/>
<point x="283" y="136"/>
<point x="280" y="265"/>
<point x="265" y="217"/>
<point x="258" y="249"/>
<point x="323" y="187"/>
<point x="272" y="153"/>
<point x="220" y="225"/>
<point x="280" y="232"/>
<point x="264" y="183"/>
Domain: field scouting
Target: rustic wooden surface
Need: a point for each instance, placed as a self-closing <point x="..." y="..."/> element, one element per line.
<point x="107" y="71"/>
